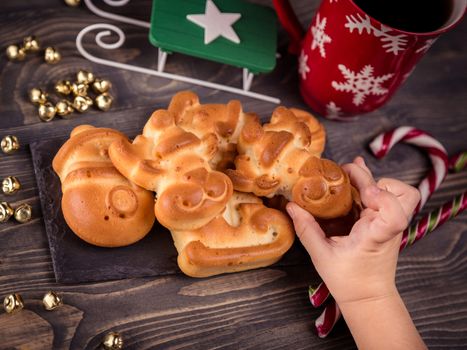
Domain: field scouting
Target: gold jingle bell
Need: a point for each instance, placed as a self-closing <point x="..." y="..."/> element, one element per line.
<point x="13" y="303"/>
<point x="10" y="185"/>
<point x="104" y="101"/>
<point x="31" y="44"/>
<point x="72" y="3"/>
<point x="79" y="89"/>
<point x="63" y="87"/>
<point x="51" y="300"/>
<point x="113" y="341"/>
<point x="23" y="213"/>
<point x="15" y="53"/>
<point x="37" y="96"/>
<point x="9" y="144"/>
<point x="85" y="77"/>
<point x="101" y="85"/>
<point x="6" y="211"/>
<point x="47" y="112"/>
<point x="81" y="103"/>
<point x="51" y="55"/>
<point x="64" y="108"/>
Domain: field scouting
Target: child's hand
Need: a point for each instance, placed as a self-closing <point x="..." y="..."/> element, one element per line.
<point x="362" y="265"/>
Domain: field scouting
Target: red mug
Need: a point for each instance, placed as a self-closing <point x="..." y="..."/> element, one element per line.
<point x="349" y="62"/>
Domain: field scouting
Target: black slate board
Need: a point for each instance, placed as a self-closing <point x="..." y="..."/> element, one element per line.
<point x="76" y="261"/>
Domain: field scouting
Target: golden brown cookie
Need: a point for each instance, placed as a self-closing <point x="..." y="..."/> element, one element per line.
<point x="247" y="235"/>
<point x="175" y="164"/>
<point x="275" y="159"/>
<point x="100" y="205"/>
<point x="223" y="121"/>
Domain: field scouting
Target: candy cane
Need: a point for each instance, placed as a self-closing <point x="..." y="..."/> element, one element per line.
<point x="458" y="162"/>
<point x="435" y="219"/>
<point x="383" y="143"/>
<point x="318" y="295"/>
<point x="327" y="320"/>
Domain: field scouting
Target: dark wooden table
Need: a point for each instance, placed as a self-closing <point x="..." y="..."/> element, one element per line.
<point x="262" y="309"/>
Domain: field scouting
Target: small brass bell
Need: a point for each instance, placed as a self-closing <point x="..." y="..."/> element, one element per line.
<point x="31" y="44"/>
<point x="37" y="96"/>
<point x="51" y="300"/>
<point x="85" y="77"/>
<point x="81" y="103"/>
<point x="23" y="213"/>
<point x="15" y="53"/>
<point x="72" y="3"/>
<point x="6" y="211"/>
<point x="63" y="87"/>
<point x="79" y="89"/>
<point x="13" y="303"/>
<point x="47" y="112"/>
<point x="51" y="55"/>
<point x="101" y="85"/>
<point x="10" y="185"/>
<point x="64" y="108"/>
<point x="113" y="341"/>
<point x="104" y="101"/>
<point x="9" y="144"/>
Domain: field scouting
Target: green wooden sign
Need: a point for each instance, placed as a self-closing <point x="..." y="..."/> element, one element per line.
<point x="234" y="32"/>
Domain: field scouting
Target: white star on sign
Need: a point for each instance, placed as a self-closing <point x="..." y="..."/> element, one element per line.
<point x="216" y="23"/>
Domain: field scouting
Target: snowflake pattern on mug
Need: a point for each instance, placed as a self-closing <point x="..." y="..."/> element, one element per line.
<point x="332" y="110"/>
<point x="426" y="46"/>
<point x="303" y="68"/>
<point x="319" y="35"/>
<point x="361" y="84"/>
<point x="392" y="43"/>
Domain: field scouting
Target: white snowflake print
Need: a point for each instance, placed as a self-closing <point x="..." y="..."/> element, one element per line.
<point x="319" y="36"/>
<point x="426" y="46"/>
<point x="392" y="43"/>
<point x="334" y="112"/>
<point x="408" y="74"/>
<point x="303" y="68"/>
<point x="361" y="84"/>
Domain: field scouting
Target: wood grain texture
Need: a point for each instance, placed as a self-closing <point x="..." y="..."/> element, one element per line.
<point x="264" y="309"/>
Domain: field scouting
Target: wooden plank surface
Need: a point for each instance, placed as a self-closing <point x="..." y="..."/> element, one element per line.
<point x="263" y="309"/>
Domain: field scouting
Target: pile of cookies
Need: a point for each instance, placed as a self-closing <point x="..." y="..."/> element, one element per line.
<point x="208" y="165"/>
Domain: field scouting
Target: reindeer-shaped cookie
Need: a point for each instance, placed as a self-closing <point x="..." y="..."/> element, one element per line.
<point x="175" y="164"/>
<point x="224" y="121"/>
<point x="276" y="159"/>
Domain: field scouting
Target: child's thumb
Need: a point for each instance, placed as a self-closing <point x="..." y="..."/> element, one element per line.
<point x="308" y="230"/>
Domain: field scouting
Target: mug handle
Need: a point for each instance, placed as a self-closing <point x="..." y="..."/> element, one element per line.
<point x="292" y="26"/>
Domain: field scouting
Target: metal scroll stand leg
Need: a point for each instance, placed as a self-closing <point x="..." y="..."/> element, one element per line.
<point x="247" y="79"/>
<point x="161" y="59"/>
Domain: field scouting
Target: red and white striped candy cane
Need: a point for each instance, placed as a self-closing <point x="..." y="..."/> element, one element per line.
<point x="383" y="143"/>
<point x="458" y="162"/>
<point x="318" y="295"/>
<point x="327" y="320"/>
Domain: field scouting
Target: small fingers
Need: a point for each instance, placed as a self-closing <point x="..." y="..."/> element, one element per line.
<point x="392" y="218"/>
<point x="360" y="161"/>
<point x="359" y="177"/>
<point x="308" y="230"/>
<point x="407" y="195"/>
